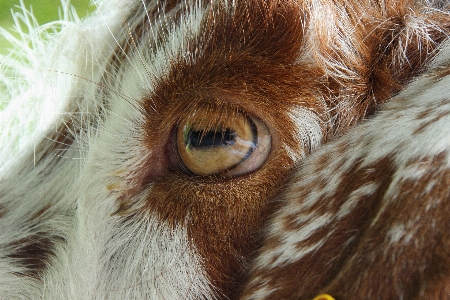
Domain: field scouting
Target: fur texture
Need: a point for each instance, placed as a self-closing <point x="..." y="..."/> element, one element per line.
<point x="98" y="200"/>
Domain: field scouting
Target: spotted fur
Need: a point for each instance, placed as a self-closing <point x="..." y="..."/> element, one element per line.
<point x="94" y="203"/>
<point x="366" y="216"/>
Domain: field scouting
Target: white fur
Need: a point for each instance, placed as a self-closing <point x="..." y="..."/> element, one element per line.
<point x="102" y="257"/>
<point x="60" y="68"/>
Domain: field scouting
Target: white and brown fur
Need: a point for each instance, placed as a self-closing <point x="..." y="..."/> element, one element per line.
<point x="92" y="205"/>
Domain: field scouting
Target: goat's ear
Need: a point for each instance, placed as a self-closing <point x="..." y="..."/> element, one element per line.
<point x="369" y="50"/>
<point x="404" y="38"/>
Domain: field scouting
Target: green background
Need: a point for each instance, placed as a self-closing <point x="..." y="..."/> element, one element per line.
<point x="44" y="11"/>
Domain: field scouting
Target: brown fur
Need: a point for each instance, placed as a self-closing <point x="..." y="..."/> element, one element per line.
<point x="255" y="59"/>
<point x="338" y="59"/>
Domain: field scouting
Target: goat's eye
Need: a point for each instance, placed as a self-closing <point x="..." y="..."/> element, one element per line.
<point x="227" y="145"/>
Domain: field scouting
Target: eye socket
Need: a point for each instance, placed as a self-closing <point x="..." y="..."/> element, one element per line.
<point x="228" y="144"/>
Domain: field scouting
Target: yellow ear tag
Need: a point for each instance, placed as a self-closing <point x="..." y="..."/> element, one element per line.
<point x="324" y="297"/>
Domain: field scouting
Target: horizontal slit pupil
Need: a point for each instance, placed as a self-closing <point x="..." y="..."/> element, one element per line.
<point x="211" y="139"/>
